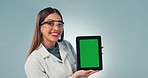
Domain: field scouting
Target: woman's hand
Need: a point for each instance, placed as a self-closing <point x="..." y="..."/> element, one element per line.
<point x="83" y="73"/>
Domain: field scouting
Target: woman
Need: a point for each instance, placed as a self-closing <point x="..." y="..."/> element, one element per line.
<point x="50" y="56"/>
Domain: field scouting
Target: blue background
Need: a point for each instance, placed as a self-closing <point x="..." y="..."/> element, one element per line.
<point x="123" y="25"/>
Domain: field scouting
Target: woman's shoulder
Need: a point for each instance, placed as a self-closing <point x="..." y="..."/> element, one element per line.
<point x="33" y="57"/>
<point x="65" y="43"/>
<point x="33" y="62"/>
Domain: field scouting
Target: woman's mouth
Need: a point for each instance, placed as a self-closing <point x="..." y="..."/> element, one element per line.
<point x="54" y="33"/>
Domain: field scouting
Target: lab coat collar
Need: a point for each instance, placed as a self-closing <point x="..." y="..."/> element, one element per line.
<point x="44" y="53"/>
<point x="62" y="50"/>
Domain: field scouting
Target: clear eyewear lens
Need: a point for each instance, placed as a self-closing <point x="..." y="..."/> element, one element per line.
<point x="52" y="23"/>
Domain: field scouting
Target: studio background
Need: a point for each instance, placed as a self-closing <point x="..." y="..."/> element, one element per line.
<point x="123" y="25"/>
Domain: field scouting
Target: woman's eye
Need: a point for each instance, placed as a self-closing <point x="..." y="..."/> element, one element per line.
<point x="60" y="25"/>
<point x="50" y="23"/>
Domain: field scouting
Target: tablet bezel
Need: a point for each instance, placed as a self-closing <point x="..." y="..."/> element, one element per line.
<point x="78" y="38"/>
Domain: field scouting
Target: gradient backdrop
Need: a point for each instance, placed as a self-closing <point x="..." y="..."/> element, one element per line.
<point x="123" y="25"/>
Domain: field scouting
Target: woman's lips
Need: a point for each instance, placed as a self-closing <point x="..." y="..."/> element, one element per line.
<point x="54" y="33"/>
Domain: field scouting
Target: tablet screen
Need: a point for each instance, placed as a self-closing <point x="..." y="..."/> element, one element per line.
<point x="89" y="52"/>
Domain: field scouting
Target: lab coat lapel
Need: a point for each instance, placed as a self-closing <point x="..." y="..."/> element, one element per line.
<point x="63" y="52"/>
<point x="45" y="54"/>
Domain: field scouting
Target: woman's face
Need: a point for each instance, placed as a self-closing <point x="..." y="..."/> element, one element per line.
<point x="52" y="28"/>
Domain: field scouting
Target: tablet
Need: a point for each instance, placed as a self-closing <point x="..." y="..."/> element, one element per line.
<point x="89" y="52"/>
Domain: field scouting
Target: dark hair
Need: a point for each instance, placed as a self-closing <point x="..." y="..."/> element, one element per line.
<point x="37" y="38"/>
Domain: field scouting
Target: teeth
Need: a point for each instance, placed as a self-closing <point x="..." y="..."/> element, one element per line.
<point x="54" y="33"/>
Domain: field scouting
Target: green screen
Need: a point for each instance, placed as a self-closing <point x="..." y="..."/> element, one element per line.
<point x="89" y="53"/>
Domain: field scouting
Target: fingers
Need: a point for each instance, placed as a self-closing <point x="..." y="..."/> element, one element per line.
<point x="90" y="72"/>
<point x="83" y="73"/>
<point x="102" y="47"/>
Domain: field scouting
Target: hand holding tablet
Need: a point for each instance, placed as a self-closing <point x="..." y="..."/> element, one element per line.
<point x="89" y="53"/>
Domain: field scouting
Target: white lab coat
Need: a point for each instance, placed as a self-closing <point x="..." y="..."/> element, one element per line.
<point x="42" y="64"/>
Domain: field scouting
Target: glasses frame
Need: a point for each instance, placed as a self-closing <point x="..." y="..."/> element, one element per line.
<point x="49" y="21"/>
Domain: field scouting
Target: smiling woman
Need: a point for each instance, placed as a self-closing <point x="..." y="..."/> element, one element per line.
<point x="48" y="54"/>
<point x="51" y="29"/>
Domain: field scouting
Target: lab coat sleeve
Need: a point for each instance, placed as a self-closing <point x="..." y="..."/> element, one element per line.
<point x="33" y="68"/>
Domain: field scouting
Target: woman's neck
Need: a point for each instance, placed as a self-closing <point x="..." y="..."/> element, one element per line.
<point x="49" y="44"/>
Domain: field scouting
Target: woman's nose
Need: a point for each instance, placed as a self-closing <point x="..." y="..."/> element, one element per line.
<point x="55" y="27"/>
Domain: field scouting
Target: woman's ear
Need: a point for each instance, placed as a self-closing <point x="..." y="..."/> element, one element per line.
<point x="40" y="30"/>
